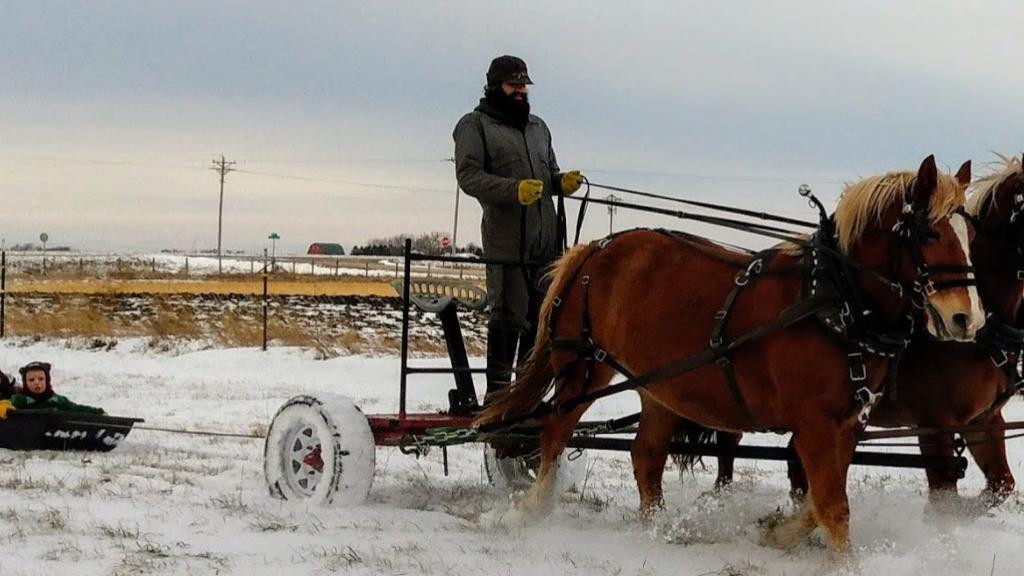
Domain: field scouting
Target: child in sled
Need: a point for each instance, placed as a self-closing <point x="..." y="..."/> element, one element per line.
<point x="37" y="392"/>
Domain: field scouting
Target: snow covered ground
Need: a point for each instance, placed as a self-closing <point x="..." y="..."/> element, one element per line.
<point x="176" y="504"/>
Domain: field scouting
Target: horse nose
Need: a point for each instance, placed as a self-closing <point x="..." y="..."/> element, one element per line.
<point x="962" y="322"/>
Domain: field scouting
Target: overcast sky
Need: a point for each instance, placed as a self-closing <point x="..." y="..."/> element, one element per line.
<point x="339" y="114"/>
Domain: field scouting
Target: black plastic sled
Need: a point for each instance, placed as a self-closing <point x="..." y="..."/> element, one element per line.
<point x="54" y="430"/>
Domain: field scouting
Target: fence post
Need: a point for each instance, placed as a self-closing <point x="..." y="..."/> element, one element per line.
<point x="186" y="265"/>
<point x="337" y="264"/>
<point x="293" y="266"/>
<point x="266" y="275"/>
<point x="153" y="265"/>
<point x="367" y="269"/>
<point x="312" y="267"/>
<point x="3" y="290"/>
<point x="252" y="266"/>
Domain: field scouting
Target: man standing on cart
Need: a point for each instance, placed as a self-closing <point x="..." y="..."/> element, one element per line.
<point x="504" y="159"/>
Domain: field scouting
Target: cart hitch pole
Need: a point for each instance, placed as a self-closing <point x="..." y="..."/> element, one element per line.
<point x="860" y="457"/>
<point x="912" y="432"/>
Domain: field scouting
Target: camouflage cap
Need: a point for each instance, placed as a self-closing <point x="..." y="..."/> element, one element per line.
<point x="507" y="69"/>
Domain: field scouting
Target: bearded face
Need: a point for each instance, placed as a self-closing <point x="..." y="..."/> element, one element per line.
<point x="512" y="99"/>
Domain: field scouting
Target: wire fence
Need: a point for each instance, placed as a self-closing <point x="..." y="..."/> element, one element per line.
<point x="334" y="304"/>
<point x="176" y="265"/>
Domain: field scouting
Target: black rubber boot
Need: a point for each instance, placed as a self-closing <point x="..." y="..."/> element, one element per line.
<point x="501" y="355"/>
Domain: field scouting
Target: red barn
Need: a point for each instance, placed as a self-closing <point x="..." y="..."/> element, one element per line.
<point x="325" y="249"/>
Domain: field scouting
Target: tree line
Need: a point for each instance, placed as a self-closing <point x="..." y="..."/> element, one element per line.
<point x="428" y="243"/>
<point x="31" y="247"/>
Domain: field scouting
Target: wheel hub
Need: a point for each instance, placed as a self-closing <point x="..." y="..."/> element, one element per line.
<point x="313" y="460"/>
<point x="305" y="461"/>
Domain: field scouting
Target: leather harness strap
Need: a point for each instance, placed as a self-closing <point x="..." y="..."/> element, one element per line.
<point x="1005" y="345"/>
<point x="744" y="278"/>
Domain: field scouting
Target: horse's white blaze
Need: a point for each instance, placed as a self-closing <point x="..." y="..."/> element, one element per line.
<point x="959" y="224"/>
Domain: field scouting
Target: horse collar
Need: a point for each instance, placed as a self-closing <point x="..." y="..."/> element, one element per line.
<point x="851" y="318"/>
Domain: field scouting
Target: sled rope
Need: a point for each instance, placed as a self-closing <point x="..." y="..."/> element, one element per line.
<point x="200" y="432"/>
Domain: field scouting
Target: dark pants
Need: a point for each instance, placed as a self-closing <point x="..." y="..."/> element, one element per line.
<point x="515" y="306"/>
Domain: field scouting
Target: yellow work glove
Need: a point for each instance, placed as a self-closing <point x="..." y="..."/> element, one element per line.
<point x="529" y="191"/>
<point x="571" y="182"/>
<point x="5" y="407"/>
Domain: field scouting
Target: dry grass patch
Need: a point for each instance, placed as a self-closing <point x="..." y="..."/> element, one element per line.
<point x="173" y="322"/>
<point x="290" y="332"/>
<point x="353" y="341"/>
<point x="119" y="531"/>
<point x="239" y="330"/>
<point x="67" y="321"/>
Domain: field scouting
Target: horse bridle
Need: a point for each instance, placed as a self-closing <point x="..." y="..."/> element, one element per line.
<point x="995" y="322"/>
<point x="913" y="229"/>
<point x="1016" y="220"/>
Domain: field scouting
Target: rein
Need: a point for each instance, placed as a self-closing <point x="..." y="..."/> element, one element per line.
<point x="699" y="204"/>
<point x="800" y="310"/>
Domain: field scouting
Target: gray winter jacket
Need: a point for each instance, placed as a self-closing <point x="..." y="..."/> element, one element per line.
<point x="491" y="158"/>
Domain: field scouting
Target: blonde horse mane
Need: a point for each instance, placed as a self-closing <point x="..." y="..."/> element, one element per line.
<point x="984" y="187"/>
<point x="864" y="203"/>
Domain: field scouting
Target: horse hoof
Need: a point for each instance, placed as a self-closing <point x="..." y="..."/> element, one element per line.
<point x="995" y="497"/>
<point x="941" y="511"/>
<point x="771" y="520"/>
<point x="533" y="507"/>
<point x="842" y="561"/>
<point x="503" y="519"/>
<point x="785" y="532"/>
<point x="646" y="514"/>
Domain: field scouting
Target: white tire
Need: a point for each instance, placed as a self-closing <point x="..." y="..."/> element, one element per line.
<point x="321" y="450"/>
<point x="520" y="472"/>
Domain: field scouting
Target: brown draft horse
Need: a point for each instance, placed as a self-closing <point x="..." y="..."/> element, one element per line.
<point x="650" y="299"/>
<point x="943" y="384"/>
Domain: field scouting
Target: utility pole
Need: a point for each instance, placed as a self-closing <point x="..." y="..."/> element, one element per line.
<point x="611" y="212"/>
<point x="455" y="225"/>
<point x="222" y="167"/>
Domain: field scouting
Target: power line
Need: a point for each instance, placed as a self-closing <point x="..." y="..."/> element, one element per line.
<point x="343" y="182"/>
<point x="327" y="160"/>
<point x="754" y="178"/>
<point x="44" y="160"/>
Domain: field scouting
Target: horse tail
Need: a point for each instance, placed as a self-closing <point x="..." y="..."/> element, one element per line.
<point x="693" y="433"/>
<point x="537" y="378"/>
